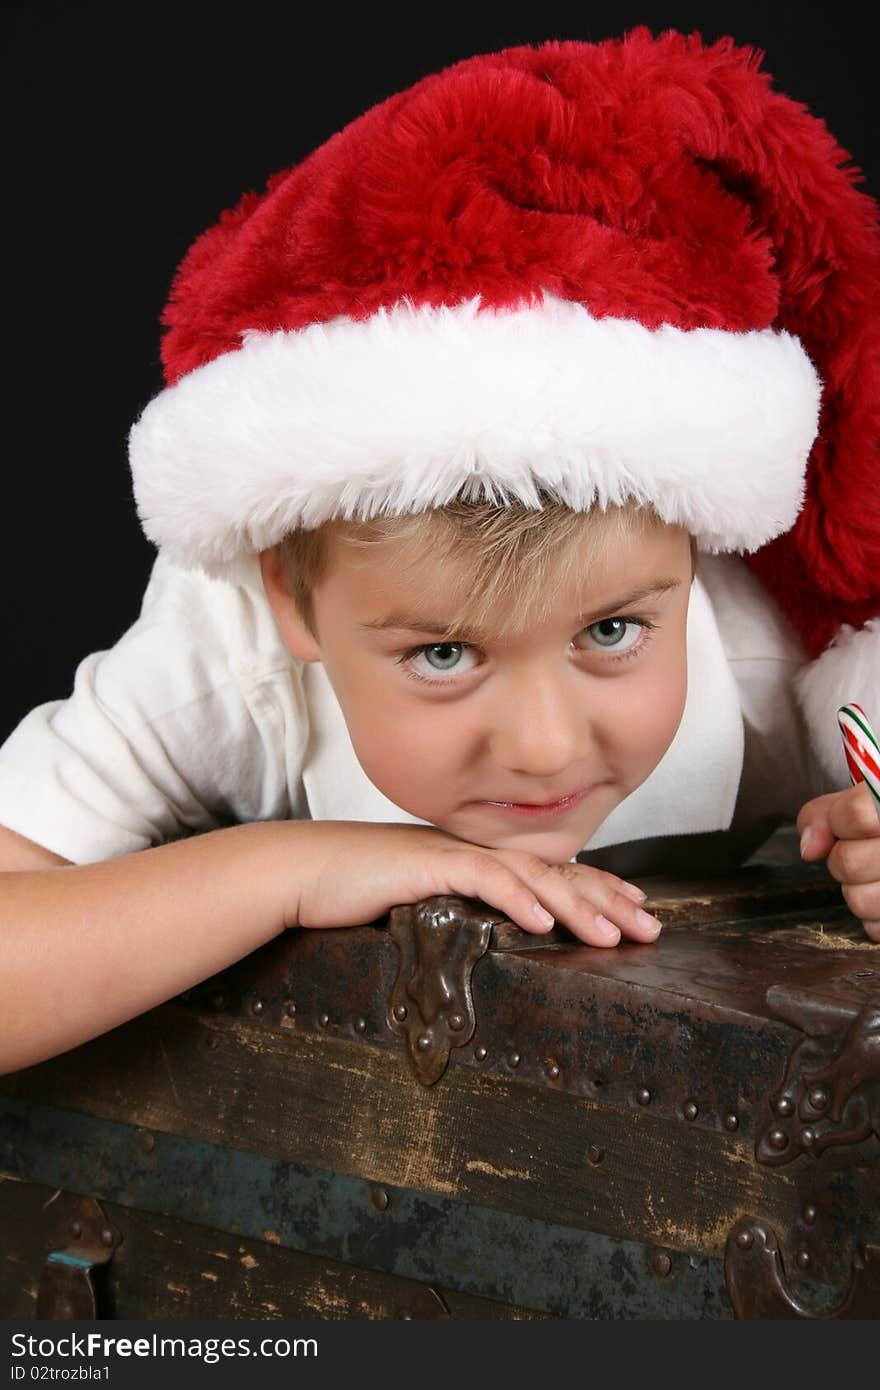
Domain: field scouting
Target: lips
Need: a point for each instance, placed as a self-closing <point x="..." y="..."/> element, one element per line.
<point x="552" y="801"/>
<point x="547" y="808"/>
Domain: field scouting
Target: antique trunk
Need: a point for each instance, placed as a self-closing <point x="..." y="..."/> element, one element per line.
<point x="438" y="1116"/>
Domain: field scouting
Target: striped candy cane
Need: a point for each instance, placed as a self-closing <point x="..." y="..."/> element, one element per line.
<point x="861" y="748"/>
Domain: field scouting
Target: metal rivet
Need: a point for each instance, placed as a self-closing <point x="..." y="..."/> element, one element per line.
<point x="803" y="1259"/>
<point x="594" y="1154"/>
<point x="456" y="1022"/>
<point x="514" y="1059"/>
<point x="257" y="1006"/>
<point x="218" y="1000"/>
<point x="145" y="1141"/>
<point x="784" y="1105"/>
<point x="289" y="1008"/>
<point x="808" y="1137"/>
<point x="379" y="1198"/>
<point x="643" y="1096"/>
<point x="745" y="1240"/>
<point x="778" y="1140"/>
<point x="323" y="1019"/>
<point x="731" y="1122"/>
<point x="661" y="1263"/>
<point x="360" y="1025"/>
<point x="423" y="1042"/>
<point x="400" y="1012"/>
<point x="76" y="1228"/>
<point x="553" y="1070"/>
<point x="481" y="1053"/>
<point x="106" y="1236"/>
<point x="690" y="1110"/>
<point x="818" y="1097"/>
<point x="810" y="1214"/>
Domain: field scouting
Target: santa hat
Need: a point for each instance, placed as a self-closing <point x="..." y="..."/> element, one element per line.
<point x="611" y="271"/>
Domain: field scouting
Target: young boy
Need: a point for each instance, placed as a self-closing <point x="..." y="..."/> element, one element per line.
<point x="450" y="410"/>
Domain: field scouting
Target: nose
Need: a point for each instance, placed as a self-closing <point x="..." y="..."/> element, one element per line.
<point x="539" y="726"/>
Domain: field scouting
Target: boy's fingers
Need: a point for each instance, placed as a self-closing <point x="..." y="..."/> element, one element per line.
<point x="813" y="827"/>
<point x="487" y="878"/>
<point x="844" y="827"/>
<point x="592" y="904"/>
<point x="855" y="861"/>
<point x="815" y="811"/>
<point x="595" y="906"/>
<point x="632" y="890"/>
<point x="607" y="907"/>
<point x="594" y="928"/>
<point x="863" y="900"/>
<point x="843" y="815"/>
<point x="637" y="924"/>
<point x="853" y="815"/>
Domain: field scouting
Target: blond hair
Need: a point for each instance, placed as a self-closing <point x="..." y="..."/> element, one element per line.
<point x="509" y="560"/>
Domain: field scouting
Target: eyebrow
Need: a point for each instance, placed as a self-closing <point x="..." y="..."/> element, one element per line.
<point x="413" y="622"/>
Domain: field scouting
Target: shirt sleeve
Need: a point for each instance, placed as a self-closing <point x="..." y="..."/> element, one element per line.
<point x="195" y="719"/>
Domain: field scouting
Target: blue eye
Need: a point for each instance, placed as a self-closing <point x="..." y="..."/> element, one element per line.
<point x="439" y="658"/>
<point x="620" y="637"/>
<point x="610" y="632"/>
<point x="449" y="653"/>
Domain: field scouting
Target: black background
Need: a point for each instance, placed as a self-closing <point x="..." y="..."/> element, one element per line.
<point x="127" y="129"/>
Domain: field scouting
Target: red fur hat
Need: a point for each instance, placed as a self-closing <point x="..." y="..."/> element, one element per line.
<point x="622" y="270"/>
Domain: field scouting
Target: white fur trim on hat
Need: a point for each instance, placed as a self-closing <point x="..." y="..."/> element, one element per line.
<point x="847" y="671"/>
<point x="413" y="406"/>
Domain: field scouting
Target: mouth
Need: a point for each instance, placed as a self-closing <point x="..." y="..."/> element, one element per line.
<point x="550" y="808"/>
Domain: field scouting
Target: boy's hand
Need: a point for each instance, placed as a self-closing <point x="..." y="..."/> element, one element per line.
<point x="843" y="828"/>
<point x="351" y="872"/>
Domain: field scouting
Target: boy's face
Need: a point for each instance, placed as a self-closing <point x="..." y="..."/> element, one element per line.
<point x="585" y="704"/>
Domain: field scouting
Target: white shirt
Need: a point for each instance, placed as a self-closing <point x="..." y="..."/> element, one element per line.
<point x="199" y="717"/>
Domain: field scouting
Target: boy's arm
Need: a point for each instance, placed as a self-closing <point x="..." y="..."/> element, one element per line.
<point x="17" y="852"/>
<point x="84" y="948"/>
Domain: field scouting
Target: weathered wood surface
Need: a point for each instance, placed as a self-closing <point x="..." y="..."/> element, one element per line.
<point x="168" y="1268"/>
<point x="621" y="1092"/>
<point x="357" y="1109"/>
<point x="561" y="1271"/>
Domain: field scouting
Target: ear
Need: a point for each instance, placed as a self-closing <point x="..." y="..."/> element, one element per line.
<point x="291" y="625"/>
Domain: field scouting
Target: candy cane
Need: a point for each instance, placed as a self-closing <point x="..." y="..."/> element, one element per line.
<point x="861" y="748"/>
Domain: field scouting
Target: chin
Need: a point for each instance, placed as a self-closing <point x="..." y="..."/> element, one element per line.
<point x="554" y="847"/>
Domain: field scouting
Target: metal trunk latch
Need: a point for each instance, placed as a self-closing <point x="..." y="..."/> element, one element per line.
<point x="439" y="941"/>
<point x="830" y="1093"/>
<point x="67" y="1286"/>
<point x="758" y="1287"/>
<point x="828" y="1103"/>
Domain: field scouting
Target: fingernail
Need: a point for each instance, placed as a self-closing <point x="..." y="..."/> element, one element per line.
<point x="607" y="928"/>
<point x="543" y="916"/>
<point x="632" y="890"/>
<point x="805" y="840"/>
<point x="649" y="923"/>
